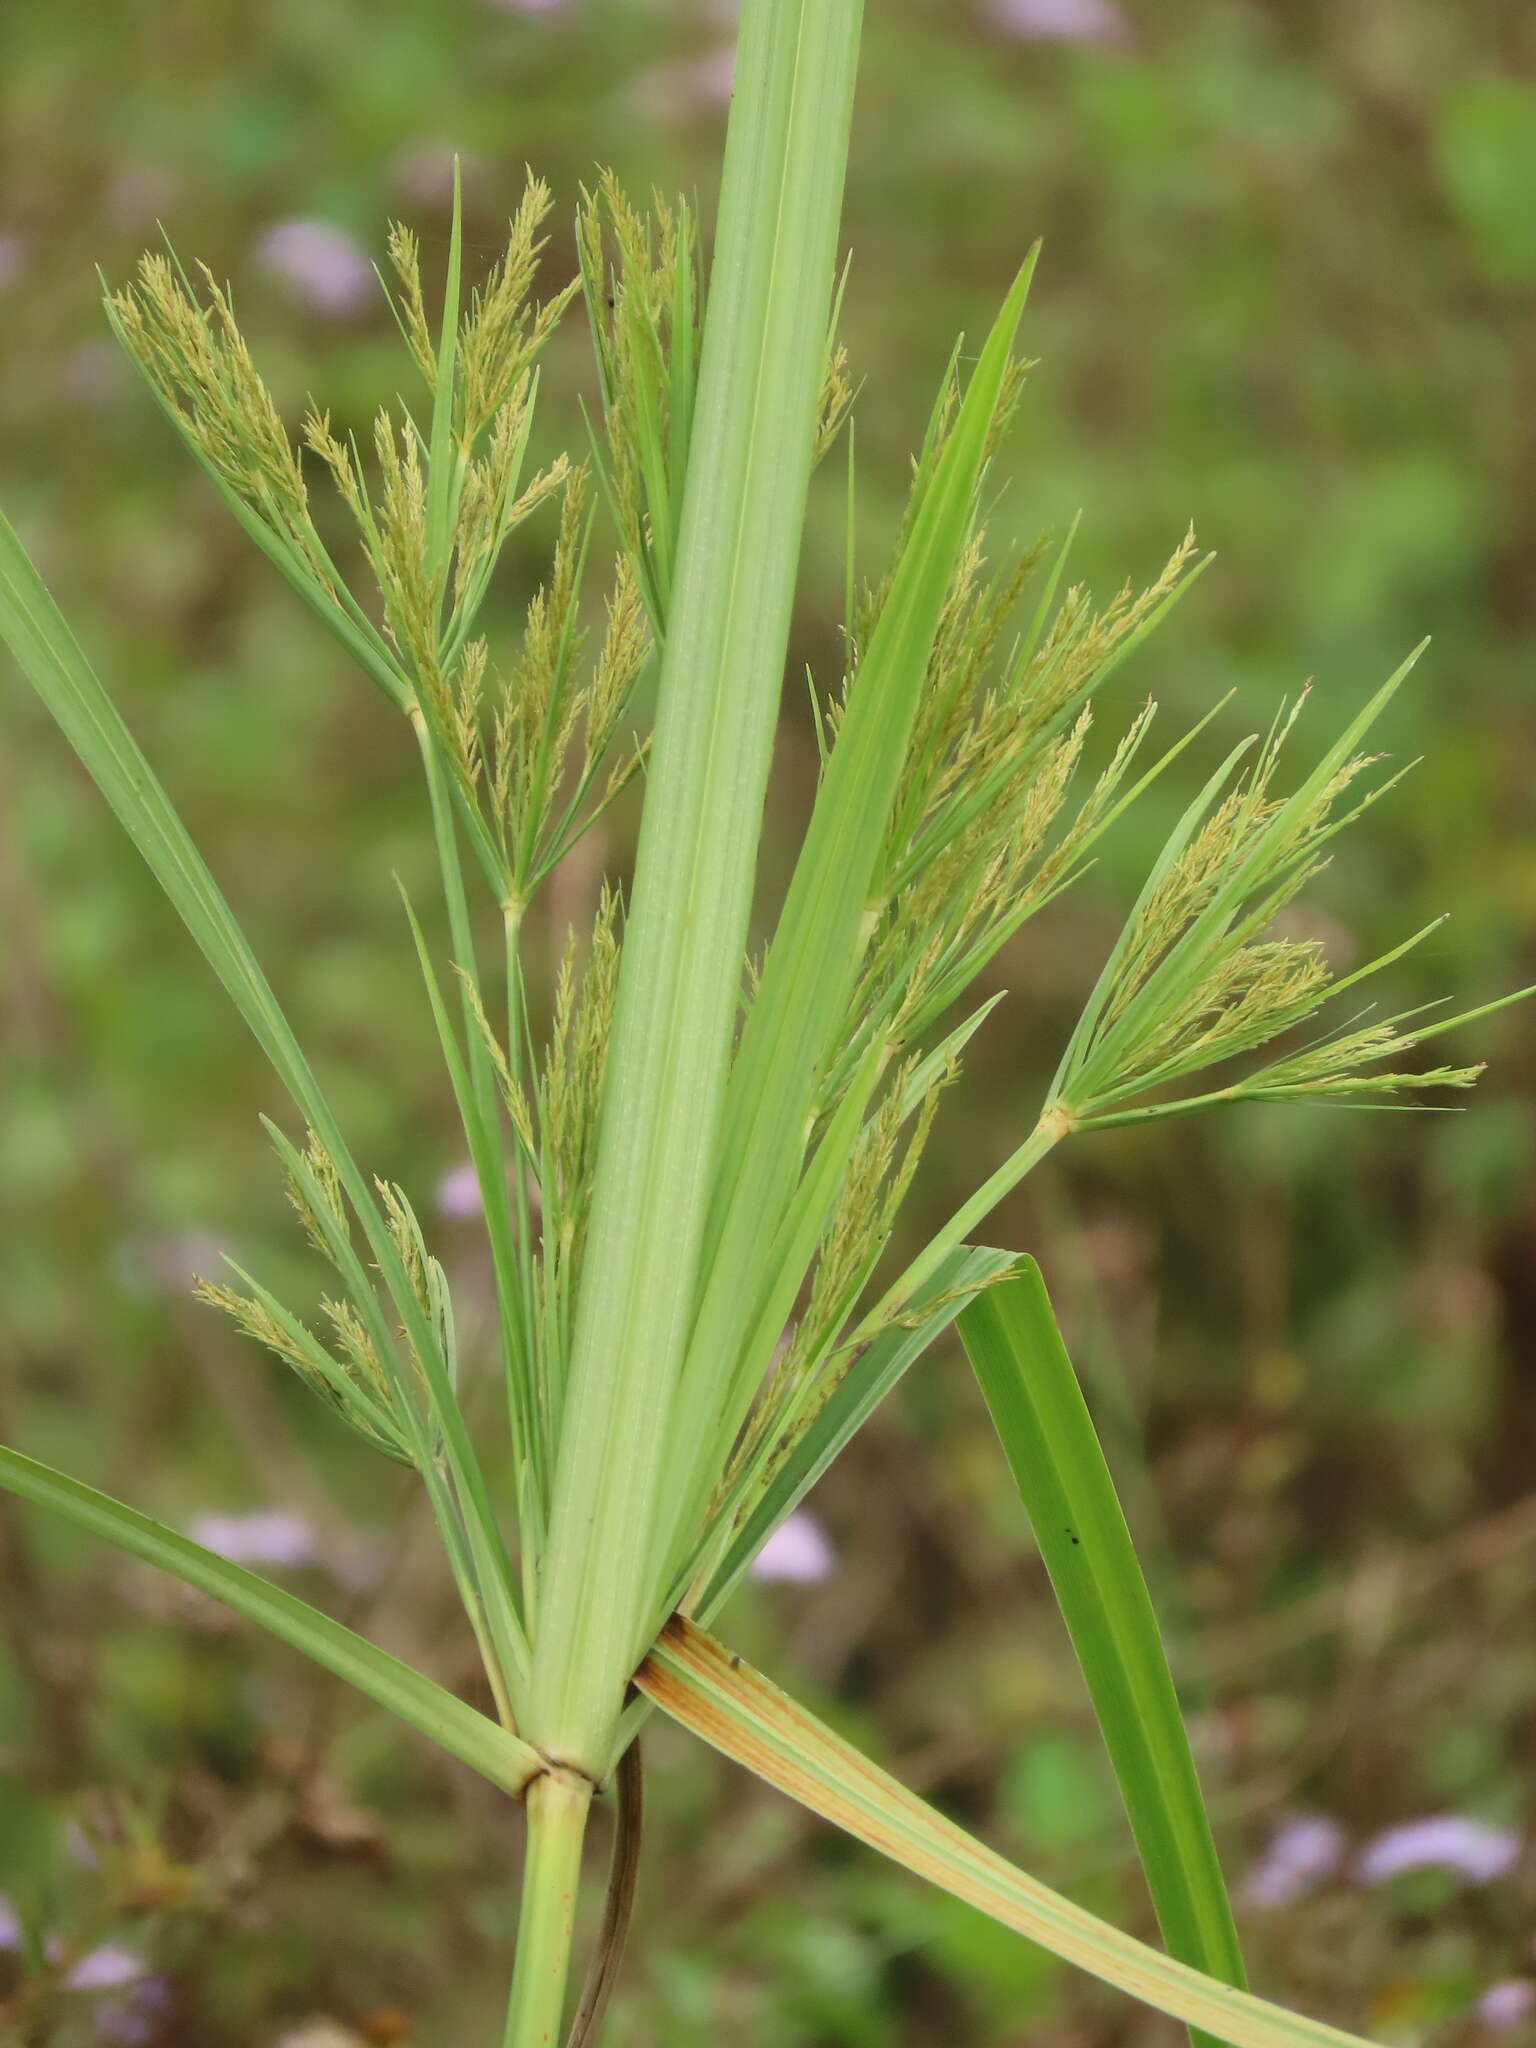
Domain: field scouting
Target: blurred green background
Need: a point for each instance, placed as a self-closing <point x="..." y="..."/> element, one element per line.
<point x="1289" y="291"/>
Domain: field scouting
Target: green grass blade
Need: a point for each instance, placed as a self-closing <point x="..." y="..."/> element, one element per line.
<point x="482" y="1133"/>
<point x="51" y="658"/>
<point x="679" y="983"/>
<point x="682" y="389"/>
<point x="49" y="655"/>
<point x="732" y="1707"/>
<point x="1043" y="1423"/>
<point x="815" y="952"/>
<point x="413" y="1698"/>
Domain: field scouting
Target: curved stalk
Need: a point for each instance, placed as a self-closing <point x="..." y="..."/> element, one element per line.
<point x="511" y="1276"/>
<point x="608" y="1953"/>
<point x="1047" y="1133"/>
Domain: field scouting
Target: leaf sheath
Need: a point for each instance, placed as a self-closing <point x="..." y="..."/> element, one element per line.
<point x="735" y="1709"/>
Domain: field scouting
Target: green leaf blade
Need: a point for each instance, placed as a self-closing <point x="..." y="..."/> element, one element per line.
<point x="815" y="951"/>
<point x="1053" y="1450"/>
<point x="495" y="1752"/>
<point x="814" y="957"/>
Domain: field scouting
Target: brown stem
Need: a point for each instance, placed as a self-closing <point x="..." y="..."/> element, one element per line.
<point x="608" y="1956"/>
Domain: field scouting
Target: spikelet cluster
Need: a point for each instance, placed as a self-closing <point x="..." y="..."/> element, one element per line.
<point x="1206" y="972"/>
<point x="982" y="833"/>
<point x="369" y="1374"/>
<point x="433" y="505"/>
<point x="194" y="357"/>
<point x="884" y="1163"/>
<point x="554" y="1119"/>
<point x="640" y="275"/>
<point x="573" y="1073"/>
<point x="835" y="402"/>
<point x="569" y="1096"/>
<point x="530" y="745"/>
<point x="440" y="506"/>
<point x="504" y="330"/>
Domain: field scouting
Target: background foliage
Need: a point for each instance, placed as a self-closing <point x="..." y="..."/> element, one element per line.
<point x="1287" y="290"/>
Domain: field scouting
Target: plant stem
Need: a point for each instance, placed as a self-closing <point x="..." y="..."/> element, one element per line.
<point x="558" y="1803"/>
<point x="680" y="978"/>
<point x="512" y="936"/>
<point x="486" y="1154"/>
<point x="1048" y="1132"/>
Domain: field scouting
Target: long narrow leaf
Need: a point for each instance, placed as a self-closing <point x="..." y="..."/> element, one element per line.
<point x="52" y="660"/>
<point x="735" y="1709"/>
<point x="1053" y="1451"/>
<point x="603" y="1590"/>
<point x="419" y="1701"/>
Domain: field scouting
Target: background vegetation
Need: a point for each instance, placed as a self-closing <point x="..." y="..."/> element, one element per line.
<point x="1288" y="290"/>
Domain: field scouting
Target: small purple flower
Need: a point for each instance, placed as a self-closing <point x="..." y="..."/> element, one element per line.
<point x="694" y="85"/>
<point x="107" y="1968"/>
<point x="93" y="373"/>
<point x="1507" y="2005"/>
<point x="13" y="256"/>
<point x="422" y="173"/>
<point x="151" y="1261"/>
<point x="138" y="2016"/>
<point x="1095" y="22"/>
<point x="81" y="1848"/>
<point x="1301" y="1854"/>
<point x="266" y="1536"/>
<point x="137" y="195"/>
<point x="356" y="1559"/>
<point x="327" y="268"/>
<point x="10" y="1924"/>
<point x="458" y="1193"/>
<point x="796" y="1554"/>
<point x="1440" y="1841"/>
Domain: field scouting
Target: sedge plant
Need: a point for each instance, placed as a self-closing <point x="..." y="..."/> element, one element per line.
<point x="691" y="1168"/>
